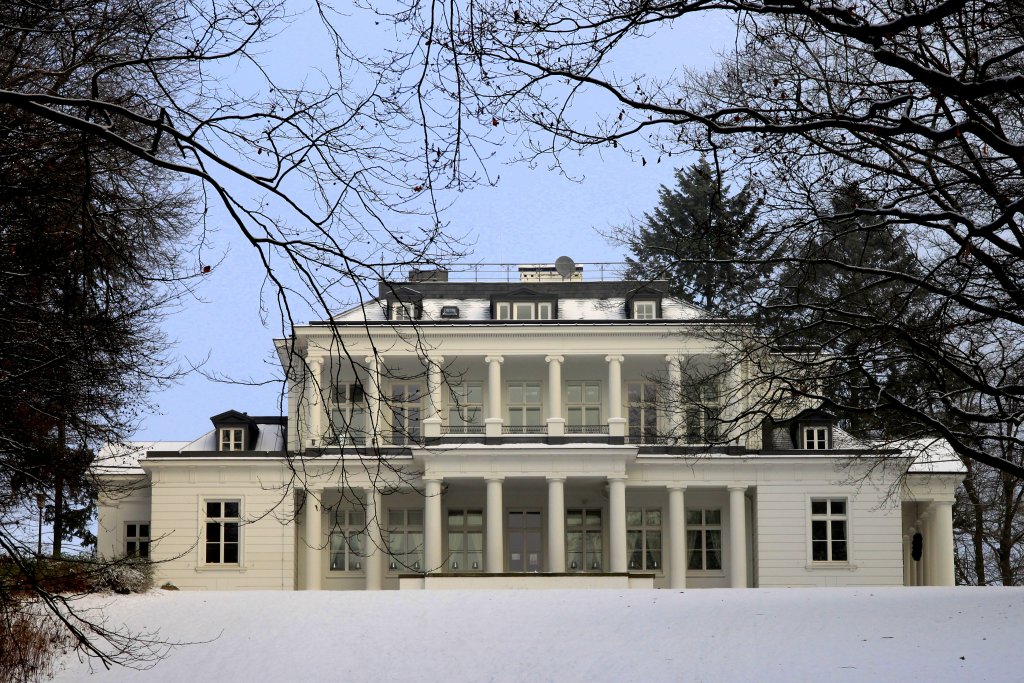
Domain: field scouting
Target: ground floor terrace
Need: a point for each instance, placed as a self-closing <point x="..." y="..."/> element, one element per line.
<point x="659" y="524"/>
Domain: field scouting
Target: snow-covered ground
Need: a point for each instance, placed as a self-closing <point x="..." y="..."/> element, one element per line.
<point x="891" y="634"/>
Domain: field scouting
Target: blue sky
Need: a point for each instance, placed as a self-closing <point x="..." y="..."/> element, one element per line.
<point x="532" y="215"/>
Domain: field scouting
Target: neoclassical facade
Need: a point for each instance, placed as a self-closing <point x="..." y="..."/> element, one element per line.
<point x="550" y="431"/>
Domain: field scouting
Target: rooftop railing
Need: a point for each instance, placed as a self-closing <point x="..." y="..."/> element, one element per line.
<point x="597" y="271"/>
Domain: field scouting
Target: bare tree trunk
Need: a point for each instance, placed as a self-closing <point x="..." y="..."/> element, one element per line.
<point x="58" y="491"/>
<point x="977" y="525"/>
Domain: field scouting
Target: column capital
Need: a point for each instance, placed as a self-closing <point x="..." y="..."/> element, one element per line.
<point x="554" y="358"/>
<point x="671" y="357"/>
<point x="552" y="479"/>
<point x="676" y="487"/>
<point x="738" y="487"/>
<point x="432" y="480"/>
<point x="495" y="477"/>
<point x="614" y="358"/>
<point x="617" y="477"/>
<point x="370" y="359"/>
<point x="494" y="359"/>
<point x="436" y="360"/>
<point x="314" y="359"/>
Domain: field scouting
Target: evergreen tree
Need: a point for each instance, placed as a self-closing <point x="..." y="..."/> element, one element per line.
<point x="698" y="239"/>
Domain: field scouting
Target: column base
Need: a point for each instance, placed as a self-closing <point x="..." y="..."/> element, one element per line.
<point x="556" y="426"/>
<point x="492" y="426"/>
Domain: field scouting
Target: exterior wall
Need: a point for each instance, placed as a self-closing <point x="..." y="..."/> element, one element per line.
<point x="122" y="500"/>
<point x="267" y="549"/>
<point x="874" y="527"/>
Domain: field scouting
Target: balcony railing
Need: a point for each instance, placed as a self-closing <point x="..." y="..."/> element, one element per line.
<point x="518" y="272"/>
<point x="586" y="429"/>
<point x="462" y="429"/>
<point x="524" y="429"/>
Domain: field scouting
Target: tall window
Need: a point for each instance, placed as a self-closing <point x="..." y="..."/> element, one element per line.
<point x="466" y="408"/>
<point x="524" y="310"/>
<point x="643" y="538"/>
<point x="704" y="413"/>
<point x="465" y="540"/>
<point x="828" y="530"/>
<point x="583" y="540"/>
<point x="704" y="540"/>
<point x="816" y="438"/>
<point x="406" y="411"/>
<point x="583" y="407"/>
<point x="348" y="413"/>
<point x="348" y="540"/>
<point x="222" y="533"/>
<point x="524" y="407"/>
<point x="405" y="540"/>
<point x="136" y="539"/>
<point x="232" y="438"/>
<point x="642" y="412"/>
<point x="403" y="311"/>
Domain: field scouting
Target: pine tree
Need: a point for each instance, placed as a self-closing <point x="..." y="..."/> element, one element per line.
<point x="698" y="239"/>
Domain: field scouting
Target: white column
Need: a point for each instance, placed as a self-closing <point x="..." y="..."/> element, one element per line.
<point x="942" y="543"/>
<point x="314" y="539"/>
<point x="494" y="421"/>
<point x="924" y="569"/>
<point x="494" y="560"/>
<point x="673" y="402"/>
<point x="556" y="524"/>
<point x="315" y="402"/>
<point x="908" y="561"/>
<point x="556" y="423"/>
<point x="373" y="392"/>
<point x="737" y="537"/>
<point x="374" y="561"/>
<point x="676" y="537"/>
<point x="616" y="423"/>
<point x="617" y="524"/>
<point x="432" y="525"/>
<point x="432" y="423"/>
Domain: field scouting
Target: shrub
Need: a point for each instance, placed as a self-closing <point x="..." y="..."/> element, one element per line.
<point x="128" y="575"/>
<point x="30" y="641"/>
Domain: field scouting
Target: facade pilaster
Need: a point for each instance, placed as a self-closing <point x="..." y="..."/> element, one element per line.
<point x="673" y="401"/>
<point x="493" y="423"/>
<point x="432" y="524"/>
<point x="374" y="543"/>
<point x="494" y="559"/>
<point x="617" y="524"/>
<point x="373" y="391"/>
<point x="556" y="423"/>
<point x="676" y="537"/>
<point x="432" y="422"/>
<point x="737" y="537"/>
<point x="312" y="513"/>
<point x="616" y="423"/>
<point x="556" y="524"/>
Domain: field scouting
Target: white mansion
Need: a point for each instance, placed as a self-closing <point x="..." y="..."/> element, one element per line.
<point x="466" y="433"/>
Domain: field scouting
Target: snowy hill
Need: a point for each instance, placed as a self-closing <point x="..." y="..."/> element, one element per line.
<point x="836" y="635"/>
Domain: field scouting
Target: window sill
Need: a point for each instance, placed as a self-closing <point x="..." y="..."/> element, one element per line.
<point x="818" y="566"/>
<point x="706" y="573"/>
<point x="221" y="568"/>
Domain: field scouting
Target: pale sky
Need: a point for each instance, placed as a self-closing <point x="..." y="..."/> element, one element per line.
<point x="531" y="216"/>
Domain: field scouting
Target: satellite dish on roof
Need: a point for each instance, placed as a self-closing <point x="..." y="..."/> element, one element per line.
<point x="565" y="267"/>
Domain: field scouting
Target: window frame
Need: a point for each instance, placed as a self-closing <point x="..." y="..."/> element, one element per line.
<point x="406" y="420"/>
<point x="230" y="437"/>
<point x="224" y="521"/>
<point x="459" y="404"/>
<point x="583" y="406"/>
<point x="650" y="311"/>
<point x="648" y="409"/>
<point x="646" y="530"/>
<point x="347" y="410"/>
<point x="538" y="310"/>
<point x="138" y="538"/>
<point x="829" y="517"/>
<point x="403" y="530"/>
<point x="461" y="560"/>
<point x="703" y="528"/>
<point x="524" y="407"/>
<point x="819" y="437"/>
<point x="345" y="530"/>
<point x="587" y="531"/>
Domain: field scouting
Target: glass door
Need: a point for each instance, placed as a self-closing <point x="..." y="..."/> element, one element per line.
<point x="524" y="541"/>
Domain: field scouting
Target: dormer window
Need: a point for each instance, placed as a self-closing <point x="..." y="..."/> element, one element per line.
<point x="232" y="439"/>
<point x="403" y="312"/>
<point x="524" y="310"/>
<point x="645" y="310"/>
<point x="815" y="438"/>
